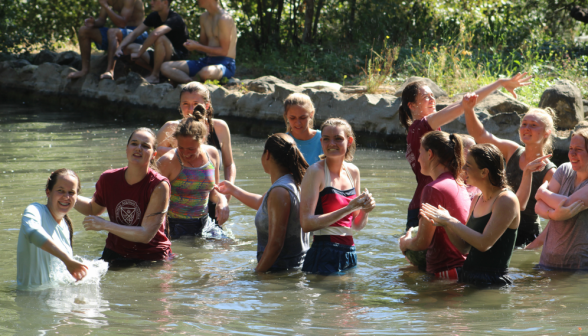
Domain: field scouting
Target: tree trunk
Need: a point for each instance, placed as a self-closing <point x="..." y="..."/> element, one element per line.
<point x="261" y="14"/>
<point x="308" y="15"/>
<point x="352" y="6"/>
<point x="320" y="5"/>
<point x="278" y="21"/>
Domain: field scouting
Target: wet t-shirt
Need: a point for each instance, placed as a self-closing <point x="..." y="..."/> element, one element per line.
<point x="444" y="191"/>
<point x="178" y="33"/>
<point x="126" y="205"/>
<point x="416" y="131"/>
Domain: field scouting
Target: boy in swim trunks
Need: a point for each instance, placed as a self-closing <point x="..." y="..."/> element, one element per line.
<point x="218" y="40"/>
<point x="124" y="14"/>
<point x="167" y="40"/>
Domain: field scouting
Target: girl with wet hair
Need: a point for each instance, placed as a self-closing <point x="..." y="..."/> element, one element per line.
<point x="440" y="157"/>
<point x="563" y="202"/>
<point x="331" y="208"/>
<point x="418" y="115"/>
<point x="281" y="243"/>
<point x="193" y="169"/>
<point x="526" y="167"/>
<point x="299" y="117"/>
<point x="137" y="198"/>
<point x="488" y="238"/>
<point x="46" y="234"/>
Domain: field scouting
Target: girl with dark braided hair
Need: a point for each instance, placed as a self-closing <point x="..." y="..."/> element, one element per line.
<point x="46" y="233"/>
<point x="281" y="243"/>
<point x="440" y="157"/>
<point x="489" y="236"/>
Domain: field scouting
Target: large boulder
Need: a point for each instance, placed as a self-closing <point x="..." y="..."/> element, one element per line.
<point x="566" y="99"/>
<point x="499" y="102"/>
<point x="265" y="84"/>
<point x="70" y="58"/>
<point x="437" y="91"/>
<point x="45" y="56"/>
<point x="49" y="77"/>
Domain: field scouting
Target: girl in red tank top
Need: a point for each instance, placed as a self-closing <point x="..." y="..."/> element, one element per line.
<point x="137" y="198"/>
<point x="330" y="207"/>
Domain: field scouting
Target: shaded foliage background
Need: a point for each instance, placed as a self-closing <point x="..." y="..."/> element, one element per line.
<point x="328" y="39"/>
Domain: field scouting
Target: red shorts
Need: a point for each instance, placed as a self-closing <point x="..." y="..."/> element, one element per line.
<point x="447" y="275"/>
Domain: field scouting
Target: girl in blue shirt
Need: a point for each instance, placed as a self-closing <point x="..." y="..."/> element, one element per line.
<point x="299" y="118"/>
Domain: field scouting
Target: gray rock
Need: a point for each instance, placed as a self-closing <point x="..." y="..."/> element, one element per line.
<point x="282" y="91"/>
<point x="224" y="101"/>
<point x="71" y="58"/>
<point x="48" y="78"/>
<point x="504" y="126"/>
<point x="437" y="91"/>
<point x="20" y="63"/>
<point x="232" y="83"/>
<point x="499" y="102"/>
<point x="264" y="84"/>
<point x="566" y="99"/>
<point x="322" y="85"/>
<point x="45" y="56"/>
<point x="133" y="80"/>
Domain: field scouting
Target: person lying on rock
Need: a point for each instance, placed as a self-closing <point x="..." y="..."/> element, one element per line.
<point x="218" y="40"/>
<point x="167" y="40"/>
<point x="126" y="16"/>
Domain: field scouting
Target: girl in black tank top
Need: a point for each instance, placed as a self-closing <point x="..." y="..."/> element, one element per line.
<point x="488" y="238"/>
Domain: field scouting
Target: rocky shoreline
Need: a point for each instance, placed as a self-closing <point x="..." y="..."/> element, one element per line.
<point x="254" y="107"/>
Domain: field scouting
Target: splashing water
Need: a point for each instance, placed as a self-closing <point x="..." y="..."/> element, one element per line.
<point x="96" y="270"/>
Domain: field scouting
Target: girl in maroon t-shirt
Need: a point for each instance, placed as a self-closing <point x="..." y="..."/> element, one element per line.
<point x="137" y="198"/>
<point x="441" y="159"/>
<point x="418" y="115"/>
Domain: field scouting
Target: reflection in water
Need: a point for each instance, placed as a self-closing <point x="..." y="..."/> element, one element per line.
<point x="210" y="287"/>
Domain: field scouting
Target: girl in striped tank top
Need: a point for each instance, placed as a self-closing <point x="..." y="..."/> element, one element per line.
<point x="193" y="171"/>
<point x="330" y="206"/>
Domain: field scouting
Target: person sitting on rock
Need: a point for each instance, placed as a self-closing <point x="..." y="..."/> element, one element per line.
<point x="167" y="40"/>
<point x="126" y="15"/>
<point x="218" y="40"/>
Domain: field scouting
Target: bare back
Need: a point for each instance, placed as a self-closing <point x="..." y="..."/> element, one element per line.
<point x="211" y="26"/>
<point x="138" y="11"/>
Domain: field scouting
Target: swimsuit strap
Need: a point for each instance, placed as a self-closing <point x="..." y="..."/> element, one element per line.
<point x="492" y="206"/>
<point x="178" y="155"/>
<point x="182" y="164"/>
<point x="328" y="175"/>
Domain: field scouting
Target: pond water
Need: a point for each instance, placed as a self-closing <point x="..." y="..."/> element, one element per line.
<point x="210" y="287"/>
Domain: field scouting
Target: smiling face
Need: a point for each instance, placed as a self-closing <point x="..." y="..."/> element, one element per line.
<point x="577" y="154"/>
<point x="141" y="148"/>
<point x="532" y="130"/>
<point x="424" y="103"/>
<point x="472" y="174"/>
<point x="188" y="147"/>
<point x="189" y="100"/>
<point x="334" y="141"/>
<point x="299" y="119"/>
<point x="62" y="198"/>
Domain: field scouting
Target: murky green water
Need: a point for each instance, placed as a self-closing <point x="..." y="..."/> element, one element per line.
<point x="210" y="287"/>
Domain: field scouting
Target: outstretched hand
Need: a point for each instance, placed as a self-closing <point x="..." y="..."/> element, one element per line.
<point x="469" y="101"/>
<point x="225" y="187"/>
<point x="518" y="80"/>
<point x="538" y="164"/>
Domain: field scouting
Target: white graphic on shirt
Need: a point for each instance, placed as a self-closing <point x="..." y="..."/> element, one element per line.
<point x="128" y="212"/>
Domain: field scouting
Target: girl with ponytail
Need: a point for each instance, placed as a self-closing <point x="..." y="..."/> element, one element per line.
<point x="440" y="157"/>
<point x="418" y="115"/>
<point x="281" y="244"/>
<point x="46" y="233"/>
<point x="193" y="169"/>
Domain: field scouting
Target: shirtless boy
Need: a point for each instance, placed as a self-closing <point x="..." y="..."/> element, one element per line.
<point x="167" y="39"/>
<point x="126" y="15"/>
<point x="218" y="40"/>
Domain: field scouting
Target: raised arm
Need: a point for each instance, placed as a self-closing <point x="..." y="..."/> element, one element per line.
<point x="278" y="210"/>
<point x="152" y="221"/>
<point x="453" y="111"/>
